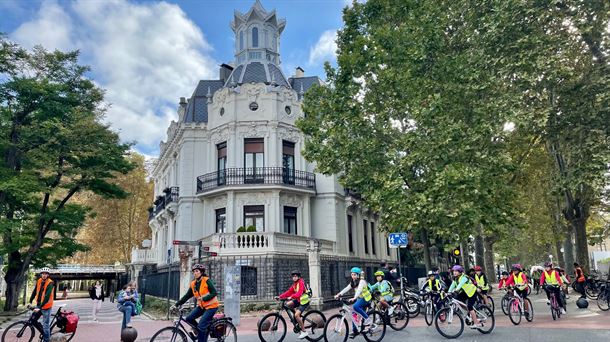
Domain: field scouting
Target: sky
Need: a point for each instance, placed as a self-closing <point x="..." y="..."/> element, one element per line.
<point x="147" y="54"/>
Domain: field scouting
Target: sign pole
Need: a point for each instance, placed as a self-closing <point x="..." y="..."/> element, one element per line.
<point x="169" y="278"/>
<point x="400" y="270"/>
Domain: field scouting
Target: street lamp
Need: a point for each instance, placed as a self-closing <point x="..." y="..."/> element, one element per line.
<point x="551" y="257"/>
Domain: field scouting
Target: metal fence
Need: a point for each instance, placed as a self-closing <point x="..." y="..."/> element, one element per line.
<point x="156" y="284"/>
<point x="256" y="175"/>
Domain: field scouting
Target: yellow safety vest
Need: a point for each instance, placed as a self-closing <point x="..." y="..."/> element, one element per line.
<point x="366" y="294"/>
<point x="468" y="287"/>
<point x="304" y="299"/>
<point x="551" y="278"/>
<point x="436" y="283"/>
<point x="481" y="282"/>
<point x="519" y="282"/>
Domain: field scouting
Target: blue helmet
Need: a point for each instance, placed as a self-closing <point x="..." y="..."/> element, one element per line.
<point x="356" y="270"/>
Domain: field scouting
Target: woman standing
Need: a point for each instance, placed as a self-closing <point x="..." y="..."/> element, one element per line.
<point x="96" y="292"/>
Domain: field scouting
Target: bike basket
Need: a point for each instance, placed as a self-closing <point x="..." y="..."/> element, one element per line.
<point x="218" y="330"/>
<point x="71" y="322"/>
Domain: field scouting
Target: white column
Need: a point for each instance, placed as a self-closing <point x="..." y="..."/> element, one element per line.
<point x="232" y="224"/>
<point x="273" y="147"/>
<point x="274" y="213"/>
<point x="235" y="154"/>
<point x="306" y="215"/>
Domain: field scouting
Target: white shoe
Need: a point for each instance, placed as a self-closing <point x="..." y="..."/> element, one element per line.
<point x="303" y="335"/>
<point x="563" y="311"/>
<point x="391" y="310"/>
<point x="368" y="321"/>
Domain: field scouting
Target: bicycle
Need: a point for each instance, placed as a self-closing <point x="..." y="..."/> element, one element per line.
<point x="516" y="308"/>
<point x="555" y="308"/>
<point x="398" y="320"/>
<point x="506" y="301"/>
<point x="603" y="299"/>
<point x="273" y="324"/>
<point x="490" y="301"/>
<point x="410" y="298"/>
<point x="337" y="326"/>
<point x="220" y="329"/>
<point x="25" y="330"/>
<point x="430" y="307"/>
<point x="445" y="317"/>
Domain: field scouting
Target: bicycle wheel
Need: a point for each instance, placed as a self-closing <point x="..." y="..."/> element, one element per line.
<point x="591" y="291"/>
<point x="336" y="329"/>
<point x="57" y="331"/>
<point x="449" y="323"/>
<point x="20" y="331"/>
<point x="399" y="318"/>
<point x="514" y="311"/>
<point x="376" y="330"/>
<point x="172" y="334"/>
<point x="314" y="322"/>
<point x="505" y="304"/>
<point x="603" y="301"/>
<point x="486" y="317"/>
<point x="528" y="311"/>
<point x="229" y="335"/>
<point x="412" y="307"/>
<point x="429" y="313"/>
<point x="272" y="327"/>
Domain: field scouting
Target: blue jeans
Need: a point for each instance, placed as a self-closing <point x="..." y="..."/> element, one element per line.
<point x="359" y="307"/>
<point x="46" y="326"/>
<point x="126" y="309"/>
<point x="204" y="323"/>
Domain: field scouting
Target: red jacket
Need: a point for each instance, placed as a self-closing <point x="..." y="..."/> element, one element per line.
<point x="502" y="283"/>
<point x="511" y="279"/>
<point x="295" y="291"/>
<point x="557" y="276"/>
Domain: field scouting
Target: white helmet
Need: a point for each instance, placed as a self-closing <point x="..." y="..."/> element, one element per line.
<point x="45" y="270"/>
<point x="430" y="273"/>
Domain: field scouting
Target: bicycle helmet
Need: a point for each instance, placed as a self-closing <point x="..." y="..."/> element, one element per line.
<point x="504" y="273"/>
<point x="379" y="273"/>
<point x="198" y="267"/>
<point x="458" y="268"/>
<point x="356" y="270"/>
<point x="516" y="267"/>
<point x="548" y="264"/>
<point x="478" y="268"/>
<point x="295" y="272"/>
<point x="45" y="270"/>
<point x="430" y="273"/>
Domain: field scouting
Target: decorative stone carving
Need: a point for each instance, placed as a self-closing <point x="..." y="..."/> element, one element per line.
<point x="254" y="90"/>
<point x="292" y="201"/>
<point x="290" y="134"/>
<point x="220" y="135"/>
<point x="253" y="199"/>
<point x="219" y="202"/>
<point x="220" y="97"/>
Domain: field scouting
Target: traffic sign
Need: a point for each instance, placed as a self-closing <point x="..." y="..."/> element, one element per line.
<point x="397" y="240"/>
<point x="185" y="243"/>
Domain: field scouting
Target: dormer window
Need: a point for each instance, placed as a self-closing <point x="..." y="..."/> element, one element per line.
<point x="255" y="37"/>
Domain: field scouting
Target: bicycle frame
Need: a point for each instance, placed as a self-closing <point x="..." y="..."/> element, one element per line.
<point x="461" y="308"/>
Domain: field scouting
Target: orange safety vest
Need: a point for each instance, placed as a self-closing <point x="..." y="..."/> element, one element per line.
<point x="39" y="294"/>
<point x="202" y="292"/>
<point x="581" y="278"/>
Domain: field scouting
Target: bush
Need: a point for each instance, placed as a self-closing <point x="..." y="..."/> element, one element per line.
<point x="251" y="229"/>
<point x="248" y="307"/>
<point x="241" y="229"/>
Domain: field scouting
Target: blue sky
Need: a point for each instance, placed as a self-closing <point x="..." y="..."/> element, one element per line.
<point x="147" y="54"/>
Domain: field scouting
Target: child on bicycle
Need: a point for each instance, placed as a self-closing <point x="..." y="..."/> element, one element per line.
<point x="503" y="279"/>
<point x="566" y="280"/>
<point x="482" y="284"/>
<point x="362" y="296"/>
<point x="518" y="279"/>
<point x="386" y="290"/>
<point x="466" y="290"/>
<point x="299" y="299"/>
<point x="434" y="286"/>
<point x="551" y="281"/>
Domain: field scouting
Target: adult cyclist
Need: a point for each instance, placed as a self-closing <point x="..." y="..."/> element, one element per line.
<point x="202" y="288"/>
<point x="299" y="299"/>
<point x="43" y="294"/>
<point x="362" y="296"/>
<point x="551" y="281"/>
<point x="466" y="291"/>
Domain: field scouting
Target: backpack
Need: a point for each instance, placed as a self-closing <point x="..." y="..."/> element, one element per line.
<point x="308" y="290"/>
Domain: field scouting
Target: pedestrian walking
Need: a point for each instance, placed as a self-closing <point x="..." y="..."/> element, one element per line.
<point x="96" y="292"/>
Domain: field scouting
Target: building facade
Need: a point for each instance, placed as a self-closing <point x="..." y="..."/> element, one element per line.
<point x="231" y="174"/>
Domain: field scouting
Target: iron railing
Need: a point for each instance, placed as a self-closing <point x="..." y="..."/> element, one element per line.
<point x="171" y="196"/>
<point x="256" y="175"/>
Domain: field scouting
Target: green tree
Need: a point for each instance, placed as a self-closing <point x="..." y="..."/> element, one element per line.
<point x="120" y="224"/>
<point x="409" y="119"/>
<point x="53" y="146"/>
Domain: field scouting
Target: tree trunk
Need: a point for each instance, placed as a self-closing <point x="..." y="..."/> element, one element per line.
<point x="426" y="242"/>
<point x="582" y="249"/>
<point x="568" y="247"/>
<point x="465" y="256"/>
<point x="490" y="268"/>
<point x="560" y="259"/>
<point x="14" y="281"/>
<point x="479" y="250"/>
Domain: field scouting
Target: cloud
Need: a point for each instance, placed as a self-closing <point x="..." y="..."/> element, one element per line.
<point x="146" y="55"/>
<point x="325" y="49"/>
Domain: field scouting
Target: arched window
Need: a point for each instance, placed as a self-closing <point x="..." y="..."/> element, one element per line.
<point x="254" y="37"/>
<point x="241" y="40"/>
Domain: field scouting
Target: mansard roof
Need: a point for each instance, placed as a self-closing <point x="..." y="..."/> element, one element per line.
<point x="302" y="84"/>
<point x="197" y="105"/>
<point x="257" y="72"/>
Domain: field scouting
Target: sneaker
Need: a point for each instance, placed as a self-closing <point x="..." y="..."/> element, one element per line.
<point x="353" y="334"/>
<point x="303" y="335"/>
<point x="563" y="311"/>
<point x="391" y="310"/>
<point x="128" y="325"/>
<point x="477" y="326"/>
<point x="548" y="302"/>
<point x="368" y="321"/>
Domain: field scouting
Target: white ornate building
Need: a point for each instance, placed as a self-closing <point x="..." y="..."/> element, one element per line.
<point x="233" y="159"/>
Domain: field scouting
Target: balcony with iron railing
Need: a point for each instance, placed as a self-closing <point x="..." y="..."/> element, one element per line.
<point x="169" y="198"/>
<point x="251" y="243"/>
<point x="256" y="176"/>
